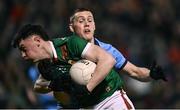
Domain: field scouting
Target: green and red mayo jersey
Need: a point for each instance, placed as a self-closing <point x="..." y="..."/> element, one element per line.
<point x="69" y="49"/>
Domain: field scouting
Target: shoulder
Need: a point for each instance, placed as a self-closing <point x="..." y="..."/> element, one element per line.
<point x="74" y="39"/>
<point x="60" y="40"/>
<point x="102" y="44"/>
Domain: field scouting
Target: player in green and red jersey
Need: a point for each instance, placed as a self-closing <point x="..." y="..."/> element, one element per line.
<point x="68" y="49"/>
<point x="82" y="23"/>
<point x="55" y="60"/>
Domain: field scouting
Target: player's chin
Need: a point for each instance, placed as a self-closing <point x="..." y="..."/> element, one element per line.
<point x="89" y="37"/>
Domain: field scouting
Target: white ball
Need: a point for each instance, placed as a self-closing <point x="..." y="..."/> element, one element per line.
<point x="81" y="71"/>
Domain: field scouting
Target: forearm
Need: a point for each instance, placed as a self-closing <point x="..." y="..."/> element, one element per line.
<point x="142" y="74"/>
<point x="103" y="68"/>
<point x="139" y="73"/>
<point x="105" y="63"/>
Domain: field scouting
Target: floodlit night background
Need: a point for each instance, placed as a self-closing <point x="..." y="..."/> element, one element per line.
<point x="143" y="30"/>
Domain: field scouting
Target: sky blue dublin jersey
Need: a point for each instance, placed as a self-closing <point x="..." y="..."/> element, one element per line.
<point x="120" y="59"/>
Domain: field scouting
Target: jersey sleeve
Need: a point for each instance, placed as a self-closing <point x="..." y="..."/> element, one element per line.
<point x="120" y="59"/>
<point x="77" y="46"/>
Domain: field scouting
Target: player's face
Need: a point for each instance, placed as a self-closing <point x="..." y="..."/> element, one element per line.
<point x="84" y="25"/>
<point x="30" y="49"/>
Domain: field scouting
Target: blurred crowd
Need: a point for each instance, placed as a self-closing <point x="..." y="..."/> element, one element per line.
<point x="143" y="30"/>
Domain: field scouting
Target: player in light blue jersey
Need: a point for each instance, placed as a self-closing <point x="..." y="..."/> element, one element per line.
<point x="82" y="23"/>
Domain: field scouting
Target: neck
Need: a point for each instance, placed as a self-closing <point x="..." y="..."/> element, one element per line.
<point x="48" y="49"/>
<point x="92" y="40"/>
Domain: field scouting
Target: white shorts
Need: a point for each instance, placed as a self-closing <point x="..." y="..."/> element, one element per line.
<point x="117" y="101"/>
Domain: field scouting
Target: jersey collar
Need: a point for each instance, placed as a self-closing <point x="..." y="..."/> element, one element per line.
<point x="55" y="58"/>
<point x="96" y="42"/>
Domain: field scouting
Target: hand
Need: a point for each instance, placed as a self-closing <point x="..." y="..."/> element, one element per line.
<point x="156" y="72"/>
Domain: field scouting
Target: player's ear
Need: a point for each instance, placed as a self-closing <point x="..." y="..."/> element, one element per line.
<point x="71" y="27"/>
<point x="94" y="26"/>
<point x="37" y="40"/>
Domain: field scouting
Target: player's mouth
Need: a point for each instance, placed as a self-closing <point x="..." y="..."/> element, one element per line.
<point x="87" y="31"/>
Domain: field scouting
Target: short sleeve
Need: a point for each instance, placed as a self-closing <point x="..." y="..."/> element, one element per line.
<point x="120" y="59"/>
<point x="76" y="45"/>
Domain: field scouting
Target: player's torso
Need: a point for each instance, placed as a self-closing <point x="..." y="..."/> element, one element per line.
<point x="66" y="58"/>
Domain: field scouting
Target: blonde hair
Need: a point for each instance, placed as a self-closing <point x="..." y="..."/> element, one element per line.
<point x="76" y="11"/>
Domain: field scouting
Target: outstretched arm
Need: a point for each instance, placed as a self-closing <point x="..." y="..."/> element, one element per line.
<point x="139" y="73"/>
<point x="144" y="74"/>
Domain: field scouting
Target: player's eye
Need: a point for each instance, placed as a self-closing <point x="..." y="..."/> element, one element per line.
<point x="23" y="49"/>
<point x="89" y="20"/>
<point x="81" y="20"/>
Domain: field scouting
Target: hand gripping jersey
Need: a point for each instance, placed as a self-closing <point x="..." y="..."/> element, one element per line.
<point x="70" y="49"/>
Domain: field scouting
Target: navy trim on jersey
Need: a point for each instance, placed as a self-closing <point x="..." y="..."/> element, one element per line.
<point x="123" y="65"/>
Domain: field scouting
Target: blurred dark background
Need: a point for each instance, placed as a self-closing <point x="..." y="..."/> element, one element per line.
<point x="143" y="30"/>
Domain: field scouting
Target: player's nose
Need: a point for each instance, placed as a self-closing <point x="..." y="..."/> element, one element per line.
<point x="86" y="24"/>
<point x="23" y="54"/>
